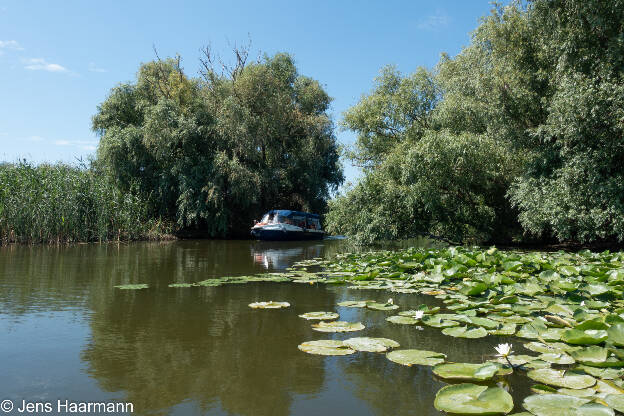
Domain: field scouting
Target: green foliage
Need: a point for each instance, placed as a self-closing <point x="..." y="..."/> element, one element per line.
<point x="61" y="203"/>
<point x="521" y="131"/>
<point x="215" y="152"/>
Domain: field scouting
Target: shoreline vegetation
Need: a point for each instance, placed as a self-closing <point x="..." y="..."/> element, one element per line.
<point x="517" y="141"/>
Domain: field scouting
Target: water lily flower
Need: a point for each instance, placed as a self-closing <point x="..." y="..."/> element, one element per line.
<point x="390" y="302"/>
<point x="418" y="314"/>
<point x="503" y="350"/>
<point x="583" y="303"/>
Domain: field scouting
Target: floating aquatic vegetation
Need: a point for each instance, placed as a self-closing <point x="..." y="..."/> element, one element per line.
<point x="465" y="332"/>
<point x="181" y="284"/>
<point x="616" y="401"/>
<point x="563" y="405"/>
<point x="133" y="287"/>
<point x="467" y="371"/>
<point x="569" y="306"/>
<point x="328" y="316"/>
<point x="338" y="326"/>
<point x="371" y="344"/>
<point x="473" y="399"/>
<point x="388" y="306"/>
<point x="354" y="303"/>
<point x="269" y="305"/>
<point x="326" y="347"/>
<point x="562" y="378"/>
<point x="402" y="320"/>
<point x="416" y="357"/>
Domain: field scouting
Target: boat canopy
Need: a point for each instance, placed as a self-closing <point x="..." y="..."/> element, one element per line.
<point x="289" y="213"/>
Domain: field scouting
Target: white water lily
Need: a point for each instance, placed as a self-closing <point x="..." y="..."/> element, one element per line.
<point x="390" y="302"/>
<point x="583" y="303"/>
<point x="418" y="314"/>
<point x="503" y="350"/>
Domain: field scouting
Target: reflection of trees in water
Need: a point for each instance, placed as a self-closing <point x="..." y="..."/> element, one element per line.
<point x="163" y="347"/>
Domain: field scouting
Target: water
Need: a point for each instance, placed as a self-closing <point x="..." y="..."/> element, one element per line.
<point x="67" y="333"/>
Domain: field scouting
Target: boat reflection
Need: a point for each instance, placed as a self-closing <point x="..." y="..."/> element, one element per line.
<point x="279" y="255"/>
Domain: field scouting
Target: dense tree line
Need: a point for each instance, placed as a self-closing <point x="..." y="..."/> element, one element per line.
<point x="518" y="137"/>
<point x="214" y="152"/>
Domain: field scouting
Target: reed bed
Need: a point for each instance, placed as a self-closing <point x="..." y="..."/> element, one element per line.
<point x="59" y="203"/>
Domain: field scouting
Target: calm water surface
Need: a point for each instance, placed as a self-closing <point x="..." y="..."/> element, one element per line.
<point x="67" y="333"/>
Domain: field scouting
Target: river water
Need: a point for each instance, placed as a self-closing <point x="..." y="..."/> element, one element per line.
<point x="68" y="334"/>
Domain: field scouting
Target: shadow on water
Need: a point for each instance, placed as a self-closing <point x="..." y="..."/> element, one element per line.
<point x="70" y="334"/>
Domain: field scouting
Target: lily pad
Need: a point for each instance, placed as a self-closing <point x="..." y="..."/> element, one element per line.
<point x="326" y="316"/>
<point x="615" y="401"/>
<point x="354" y="303"/>
<point x="269" y="305"/>
<point x="473" y="399"/>
<point x="616" y="334"/>
<point x="556" y="358"/>
<point x="467" y="371"/>
<point x="465" y="332"/>
<point x="133" y="287"/>
<point x="326" y="347"/>
<point x="584" y="337"/>
<point x="560" y="405"/>
<point x="338" y="326"/>
<point x="382" y="306"/>
<point x="561" y="378"/>
<point x="416" y="357"/>
<point x="371" y="344"/>
<point x="403" y="320"/>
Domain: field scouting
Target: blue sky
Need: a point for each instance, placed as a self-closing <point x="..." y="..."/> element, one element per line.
<point x="59" y="59"/>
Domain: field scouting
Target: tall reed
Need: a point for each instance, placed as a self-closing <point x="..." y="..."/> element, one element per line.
<point x="55" y="203"/>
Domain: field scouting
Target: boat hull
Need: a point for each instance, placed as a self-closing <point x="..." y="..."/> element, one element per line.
<point x="285" y="235"/>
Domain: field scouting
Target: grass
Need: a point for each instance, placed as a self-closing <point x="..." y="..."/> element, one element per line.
<point x="60" y="203"/>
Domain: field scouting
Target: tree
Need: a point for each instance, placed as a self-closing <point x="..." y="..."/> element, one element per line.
<point x="214" y="152"/>
<point x="520" y="132"/>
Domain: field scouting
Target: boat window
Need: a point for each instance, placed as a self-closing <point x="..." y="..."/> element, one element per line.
<point x="283" y="220"/>
<point x="314" y="224"/>
<point x="299" y="221"/>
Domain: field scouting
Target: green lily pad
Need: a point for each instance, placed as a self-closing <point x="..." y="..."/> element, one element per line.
<point x="603" y="373"/>
<point x="181" y="284"/>
<point x="382" y="306"/>
<point x="338" y="326"/>
<point x="133" y="287"/>
<point x="269" y="305"/>
<point x="210" y="282"/>
<point x="354" y="303"/>
<point x="467" y="371"/>
<point x="561" y="378"/>
<point x="465" y="332"/>
<point x="473" y="399"/>
<point x="616" y="401"/>
<point x="326" y="347"/>
<point x="326" y="316"/>
<point x="616" y="334"/>
<point x="561" y="405"/>
<point x="416" y="357"/>
<point x="403" y="320"/>
<point x="556" y="358"/>
<point x="584" y="337"/>
<point x="437" y="321"/>
<point x="371" y="344"/>
<point x="589" y="392"/>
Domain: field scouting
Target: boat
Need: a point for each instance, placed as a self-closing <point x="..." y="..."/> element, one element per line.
<point x="287" y="225"/>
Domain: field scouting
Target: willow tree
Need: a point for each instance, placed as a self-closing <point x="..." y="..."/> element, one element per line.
<point x="523" y="137"/>
<point x="214" y="151"/>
